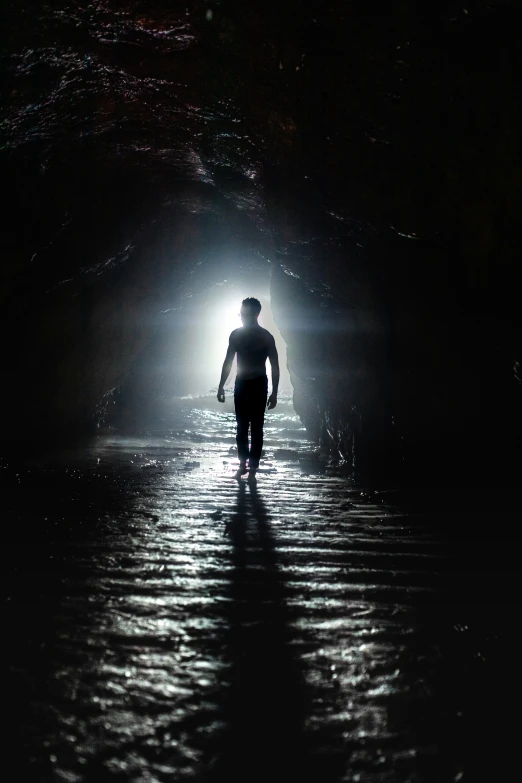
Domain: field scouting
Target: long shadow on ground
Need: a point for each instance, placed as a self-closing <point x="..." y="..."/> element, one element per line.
<point x="266" y="704"/>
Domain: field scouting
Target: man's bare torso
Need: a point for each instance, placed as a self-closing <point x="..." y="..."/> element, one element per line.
<point x="253" y="345"/>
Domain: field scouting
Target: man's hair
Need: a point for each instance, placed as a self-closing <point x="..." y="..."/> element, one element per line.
<point x="252" y="304"/>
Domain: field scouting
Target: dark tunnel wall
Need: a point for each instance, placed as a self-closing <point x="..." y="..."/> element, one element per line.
<point x="370" y="156"/>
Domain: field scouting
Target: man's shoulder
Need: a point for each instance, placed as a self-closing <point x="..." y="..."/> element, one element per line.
<point x="243" y="335"/>
<point x="269" y="337"/>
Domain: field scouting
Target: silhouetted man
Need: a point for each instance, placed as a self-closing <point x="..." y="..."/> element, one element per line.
<point x="253" y="346"/>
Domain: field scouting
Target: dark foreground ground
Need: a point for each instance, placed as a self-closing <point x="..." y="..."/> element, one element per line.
<point x="164" y="622"/>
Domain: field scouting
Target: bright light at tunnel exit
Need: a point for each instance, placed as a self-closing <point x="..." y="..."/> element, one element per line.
<point x="228" y="319"/>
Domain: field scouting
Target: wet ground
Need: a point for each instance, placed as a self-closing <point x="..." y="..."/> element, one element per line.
<point x="165" y="622"/>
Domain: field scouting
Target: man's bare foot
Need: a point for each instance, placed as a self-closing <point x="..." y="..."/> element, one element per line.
<point x="242" y="469"/>
<point x="252" y="476"/>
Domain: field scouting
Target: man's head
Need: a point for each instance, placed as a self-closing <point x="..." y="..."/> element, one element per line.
<point x="250" y="309"/>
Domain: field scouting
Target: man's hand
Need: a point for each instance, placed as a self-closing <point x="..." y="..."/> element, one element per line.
<point x="272" y="402"/>
<point x="221" y="394"/>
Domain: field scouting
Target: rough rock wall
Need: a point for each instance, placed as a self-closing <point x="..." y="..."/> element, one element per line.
<point x="404" y="225"/>
<point x="371" y="156"/>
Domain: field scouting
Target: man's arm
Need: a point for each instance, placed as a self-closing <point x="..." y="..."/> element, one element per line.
<point x="227" y="366"/>
<point x="274" y="362"/>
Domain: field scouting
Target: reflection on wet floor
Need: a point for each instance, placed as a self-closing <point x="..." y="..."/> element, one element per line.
<point x="167" y="622"/>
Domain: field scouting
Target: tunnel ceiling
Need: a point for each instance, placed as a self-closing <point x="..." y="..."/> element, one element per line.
<point x="368" y="153"/>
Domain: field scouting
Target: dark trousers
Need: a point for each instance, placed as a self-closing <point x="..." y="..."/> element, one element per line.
<point x="250" y="403"/>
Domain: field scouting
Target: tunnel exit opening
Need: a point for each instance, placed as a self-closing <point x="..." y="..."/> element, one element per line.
<point x="185" y="354"/>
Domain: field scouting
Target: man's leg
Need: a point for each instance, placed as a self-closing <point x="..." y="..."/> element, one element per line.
<point x="257" y="420"/>
<point x="241" y="406"/>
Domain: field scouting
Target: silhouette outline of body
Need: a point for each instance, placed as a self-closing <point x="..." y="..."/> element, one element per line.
<point x="253" y="345"/>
